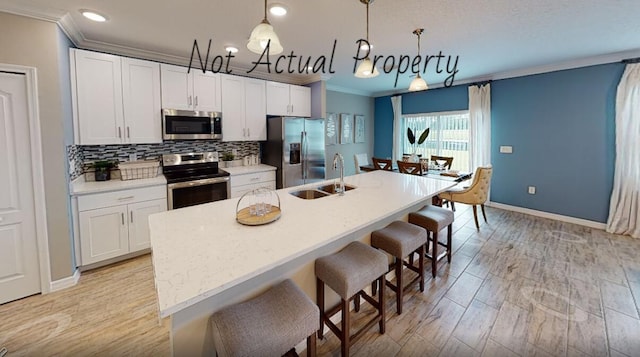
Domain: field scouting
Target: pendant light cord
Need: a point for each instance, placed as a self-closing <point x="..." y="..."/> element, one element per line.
<point x="367" y="26"/>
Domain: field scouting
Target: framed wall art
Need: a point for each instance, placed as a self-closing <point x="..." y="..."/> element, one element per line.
<point x="346" y="128"/>
<point x="359" y="129"/>
<point x="331" y="130"/>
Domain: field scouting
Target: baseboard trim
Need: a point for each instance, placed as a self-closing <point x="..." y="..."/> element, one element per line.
<point x="557" y="217"/>
<point x="66" y="282"/>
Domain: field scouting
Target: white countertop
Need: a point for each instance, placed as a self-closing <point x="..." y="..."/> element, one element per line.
<point x="81" y="187"/>
<point x="200" y="251"/>
<point x="250" y="169"/>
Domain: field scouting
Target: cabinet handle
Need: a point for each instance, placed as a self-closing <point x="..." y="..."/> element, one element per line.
<point x="125" y="198"/>
<point x="196" y="101"/>
<point x="244" y="131"/>
<point x="128" y="133"/>
<point x="255" y="179"/>
<point x="248" y="132"/>
<point x="1" y="219"/>
<point x="122" y="216"/>
<point x="120" y="132"/>
<point x="131" y="216"/>
<point x="291" y="108"/>
<point x="189" y="100"/>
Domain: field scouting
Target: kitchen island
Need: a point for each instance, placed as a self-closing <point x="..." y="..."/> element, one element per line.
<point x="204" y="260"/>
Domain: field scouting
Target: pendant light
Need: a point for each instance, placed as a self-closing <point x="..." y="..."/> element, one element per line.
<point x="366" y="69"/>
<point x="418" y="83"/>
<point x="261" y="35"/>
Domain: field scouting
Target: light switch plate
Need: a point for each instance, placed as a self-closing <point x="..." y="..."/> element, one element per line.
<point x="133" y="157"/>
<point x="532" y="190"/>
<point x="506" y="149"/>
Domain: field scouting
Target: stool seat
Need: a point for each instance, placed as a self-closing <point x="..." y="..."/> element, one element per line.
<point x="399" y="238"/>
<point x="351" y="269"/>
<point x="434" y="219"/>
<point x="249" y="328"/>
<point x="402" y="239"/>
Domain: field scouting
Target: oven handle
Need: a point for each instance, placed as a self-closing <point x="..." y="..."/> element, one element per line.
<point x="198" y="182"/>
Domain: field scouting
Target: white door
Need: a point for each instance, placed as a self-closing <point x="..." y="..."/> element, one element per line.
<point x="177" y="87"/>
<point x="300" y="101"/>
<point x="139" y="222"/>
<point x="141" y="101"/>
<point x="255" y="109"/>
<point x="206" y="91"/>
<point x="103" y="234"/>
<point x="19" y="265"/>
<point x="233" y="109"/>
<point x="277" y="98"/>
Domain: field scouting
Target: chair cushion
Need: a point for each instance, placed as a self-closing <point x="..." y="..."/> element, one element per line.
<point x="248" y="328"/>
<point x="432" y="218"/>
<point x="351" y="269"/>
<point x="399" y="238"/>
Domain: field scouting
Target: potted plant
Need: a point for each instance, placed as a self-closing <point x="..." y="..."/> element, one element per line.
<point x="227" y="157"/>
<point x="412" y="140"/>
<point x="103" y="169"/>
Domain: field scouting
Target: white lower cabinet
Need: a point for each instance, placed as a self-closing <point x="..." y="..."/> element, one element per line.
<point x="116" y="223"/>
<point x="242" y="183"/>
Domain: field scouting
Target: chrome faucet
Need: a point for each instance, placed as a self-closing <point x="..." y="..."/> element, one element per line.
<point x="337" y="157"/>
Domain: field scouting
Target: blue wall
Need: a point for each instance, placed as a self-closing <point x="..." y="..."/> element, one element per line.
<point x="435" y="100"/>
<point x="562" y="129"/>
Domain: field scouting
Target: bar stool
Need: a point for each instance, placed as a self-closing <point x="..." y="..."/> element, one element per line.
<point x="348" y="272"/>
<point x="270" y="324"/>
<point x="401" y="239"/>
<point x="434" y="219"/>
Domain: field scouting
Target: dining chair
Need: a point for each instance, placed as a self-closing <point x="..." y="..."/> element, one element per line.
<point x="476" y="194"/>
<point x="447" y="159"/>
<point x="382" y="164"/>
<point x="360" y="160"/>
<point x="413" y="168"/>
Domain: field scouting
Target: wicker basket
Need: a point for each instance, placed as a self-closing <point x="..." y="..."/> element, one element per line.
<point x="141" y="169"/>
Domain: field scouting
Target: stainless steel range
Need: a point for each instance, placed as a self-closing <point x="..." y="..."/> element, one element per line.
<point x="194" y="178"/>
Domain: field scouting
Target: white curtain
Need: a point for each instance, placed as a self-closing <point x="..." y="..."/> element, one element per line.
<point x="480" y="126"/>
<point x="624" y="208"/>
<point x="396" y="103"/>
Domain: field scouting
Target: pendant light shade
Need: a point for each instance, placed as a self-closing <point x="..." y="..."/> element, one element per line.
<point x="418" y="83"/>
<point x="261" y="35"/>
<point x="366" y="69"/>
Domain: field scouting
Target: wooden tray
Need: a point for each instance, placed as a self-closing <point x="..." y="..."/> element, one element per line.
<point x="244" y="217"/>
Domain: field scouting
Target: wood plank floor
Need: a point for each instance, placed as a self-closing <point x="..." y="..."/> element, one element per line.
<point x="521" y="286"/>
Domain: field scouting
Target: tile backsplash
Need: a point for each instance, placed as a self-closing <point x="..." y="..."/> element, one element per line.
<point x="80" y="156"/>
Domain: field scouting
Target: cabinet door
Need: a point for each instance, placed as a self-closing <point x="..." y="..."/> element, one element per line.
<point x="103" y="234"/>
<point x="255" y="109"/>
<point x="300" y="98"/>
<point x="206" y="91"/>
<point x="98" y="98"/>
<point x="139" y="222"/>
<point x="277" y="98"/>
<point x="177" y="87"/>
<point x="141" y="101"/>
<point x="233" y="108"/>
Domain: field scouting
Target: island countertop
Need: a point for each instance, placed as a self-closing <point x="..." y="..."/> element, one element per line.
<point x="200" y="251"/>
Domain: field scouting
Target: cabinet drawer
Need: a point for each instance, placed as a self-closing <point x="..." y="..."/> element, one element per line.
<point x="241" y="190"/>
<point x="248" y="179"/>
<point x="115" y="198"/>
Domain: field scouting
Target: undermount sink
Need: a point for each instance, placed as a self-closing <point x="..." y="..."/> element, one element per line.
<point x="309" y="194"/>
<point x="331" y="188"/>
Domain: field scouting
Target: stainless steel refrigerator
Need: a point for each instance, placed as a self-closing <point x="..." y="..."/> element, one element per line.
<point x="296" y="147"/>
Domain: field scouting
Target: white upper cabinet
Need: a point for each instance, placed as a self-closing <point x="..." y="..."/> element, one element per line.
<point x="190" y="91"/>
<point x="141" y="101"/>
<point x="288" y="100"/>
<point x="116" y="100"/>
<point x="244" y="115"/>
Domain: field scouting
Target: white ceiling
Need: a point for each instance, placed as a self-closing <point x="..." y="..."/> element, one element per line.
<point x="493" y="38"/>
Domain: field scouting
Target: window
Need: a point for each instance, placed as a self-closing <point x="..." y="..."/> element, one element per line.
<point x="448" y="136"/>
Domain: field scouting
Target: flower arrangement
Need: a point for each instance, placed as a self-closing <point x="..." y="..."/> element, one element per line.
<point x="421" y="139"/>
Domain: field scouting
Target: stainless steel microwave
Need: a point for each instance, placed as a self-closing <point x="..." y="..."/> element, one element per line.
<point x="191" y="125"/>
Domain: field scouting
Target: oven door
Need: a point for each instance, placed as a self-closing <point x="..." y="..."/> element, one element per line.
<point x="190" y="193"/>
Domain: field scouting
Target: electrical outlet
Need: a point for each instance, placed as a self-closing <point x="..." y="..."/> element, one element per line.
<point x="532" y="190"/>
<point x="133" y="157"/>
<point x="234" y="152"/>
<point x="506" y="149"/>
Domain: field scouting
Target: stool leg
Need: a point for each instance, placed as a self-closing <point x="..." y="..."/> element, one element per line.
<point x="399" y="285"/>
<point x="421" y="266"/>
<point x="356" y="302"/>
<point x="320" y="302"/>
<point x="449" y="243"/>
<point x="382" y="322"/>
<point x="434" y="254"/>
<point x="311" y="345"/>
<point x="346" y="341"/>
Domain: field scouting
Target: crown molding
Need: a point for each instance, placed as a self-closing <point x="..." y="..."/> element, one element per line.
<point x="17" y="7"/>
<point x="335" y="88"/>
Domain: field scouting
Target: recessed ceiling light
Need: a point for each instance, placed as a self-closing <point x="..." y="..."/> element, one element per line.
<point x="231" y="49"/>
<point x="94" y="16"/>
<point x="277" y="9"/>
<point x="364" y="47"/>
